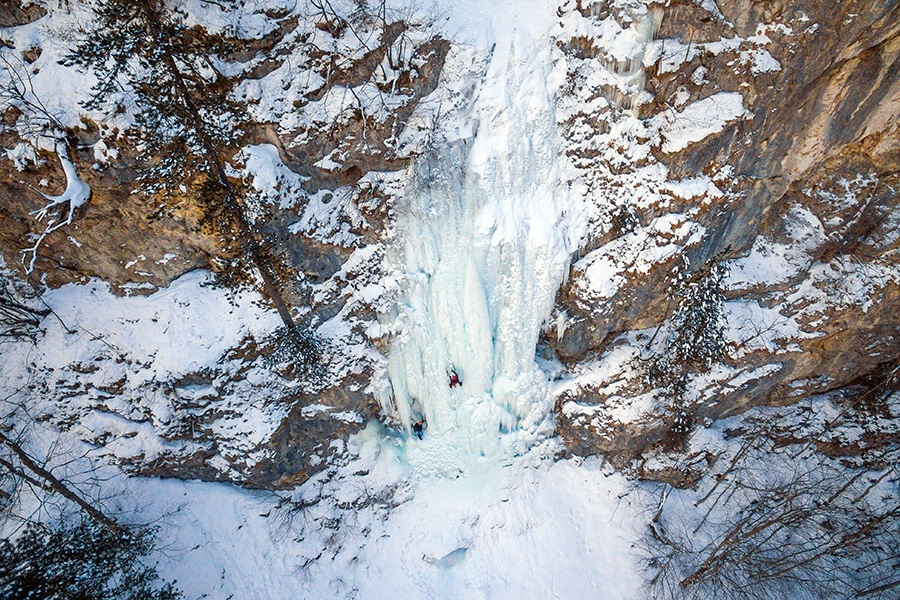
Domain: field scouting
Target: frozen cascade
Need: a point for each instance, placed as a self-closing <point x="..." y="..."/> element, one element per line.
<point x="486" y="231"/>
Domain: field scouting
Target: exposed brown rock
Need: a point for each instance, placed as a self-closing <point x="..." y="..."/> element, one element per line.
<point x="305" y="441"/>
<point x="13" y="13"/>
<point x="115" y="238"/>
<point x="831" y="114"/>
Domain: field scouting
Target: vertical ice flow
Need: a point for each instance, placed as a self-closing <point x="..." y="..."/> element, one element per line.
<point x="485" y="245"/>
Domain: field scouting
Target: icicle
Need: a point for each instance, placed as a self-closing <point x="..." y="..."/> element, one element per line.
<point x="628" y="72"/>
<point x="482" y="254"/>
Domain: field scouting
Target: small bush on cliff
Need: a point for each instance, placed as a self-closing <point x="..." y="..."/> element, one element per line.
<point x="296" y="352"/>
<point x="696" y="340"/>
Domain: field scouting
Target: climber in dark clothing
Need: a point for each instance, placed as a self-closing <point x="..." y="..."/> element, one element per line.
<point x="454" y="378"/>
<point x="419" y="429"/>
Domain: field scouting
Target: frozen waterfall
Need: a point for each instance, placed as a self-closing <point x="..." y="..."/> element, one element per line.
<point x="485" y="233"/>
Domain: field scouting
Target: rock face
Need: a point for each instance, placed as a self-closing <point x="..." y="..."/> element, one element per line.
<point x="139" y="243"/>
<point x="118" y="237"/>
<point x="810" y="173"/>
<point x="311" y="435"/>
<point x="13" y="13"/>
<point x="329" y="99"/>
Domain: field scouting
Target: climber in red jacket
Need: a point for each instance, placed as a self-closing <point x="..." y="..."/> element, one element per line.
<point x="454" y="379"/>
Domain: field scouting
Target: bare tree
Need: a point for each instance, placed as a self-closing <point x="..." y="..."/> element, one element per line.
<point x="18" y="319"/>
<point x="780" y="521"/>
<point x="50" y="554"/>
<point x="19" y="463"/>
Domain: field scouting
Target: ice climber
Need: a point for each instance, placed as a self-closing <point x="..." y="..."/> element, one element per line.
<point x="454" y="379"/>
<point x="419" y="429"/>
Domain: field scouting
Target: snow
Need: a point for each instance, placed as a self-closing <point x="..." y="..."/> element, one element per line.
<point x="623" y="45"/>
<point x="331" y="216"/>
<point x="77" y="192"/>
<point x="269" y="176"/>
<point x="486" y="536"/>
<point x="763" y="62"/>
<point x="520" y="526"/>
<point x="486" y="24"/>
<point x="603" y="271"/>
<point x="754" y="327"/>
<point x="671" y="54"/>
<point x="177" y="330"/>
<point x="773" y="262"/>
<point x="482" y="270"/>
<point x="455" y="532"/>
<point x="61" y="209"/>
<point x="700" y="186"/>
<point x="769" y="463"/>
<point x="249" y="23"/>
<point x="698" y="120"/>
<point x="22" y="154"/>
<point x="114" y="361"/>
<point x="57" y="89"/>
<point x="713" y="7"/>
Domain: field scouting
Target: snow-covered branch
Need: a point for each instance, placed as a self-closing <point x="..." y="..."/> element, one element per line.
<point x="60" y="209"/>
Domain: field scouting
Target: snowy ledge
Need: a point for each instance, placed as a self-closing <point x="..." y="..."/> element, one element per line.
<point x="697" y="121"/>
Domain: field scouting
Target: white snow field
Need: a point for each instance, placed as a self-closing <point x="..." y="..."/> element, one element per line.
<point x="523" y="530"/>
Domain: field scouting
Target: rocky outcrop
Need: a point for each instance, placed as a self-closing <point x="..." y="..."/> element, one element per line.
<point x="313" y="434"/>
<point x="120" y="236"/>
<point x="322" y="141"/>
<point x="14" y="13"/>
<point x="819" y="144"/>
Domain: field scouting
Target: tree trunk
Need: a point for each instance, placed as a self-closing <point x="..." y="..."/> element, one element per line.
<point x="228" y="191"/>
<point x="55" y="485"/>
